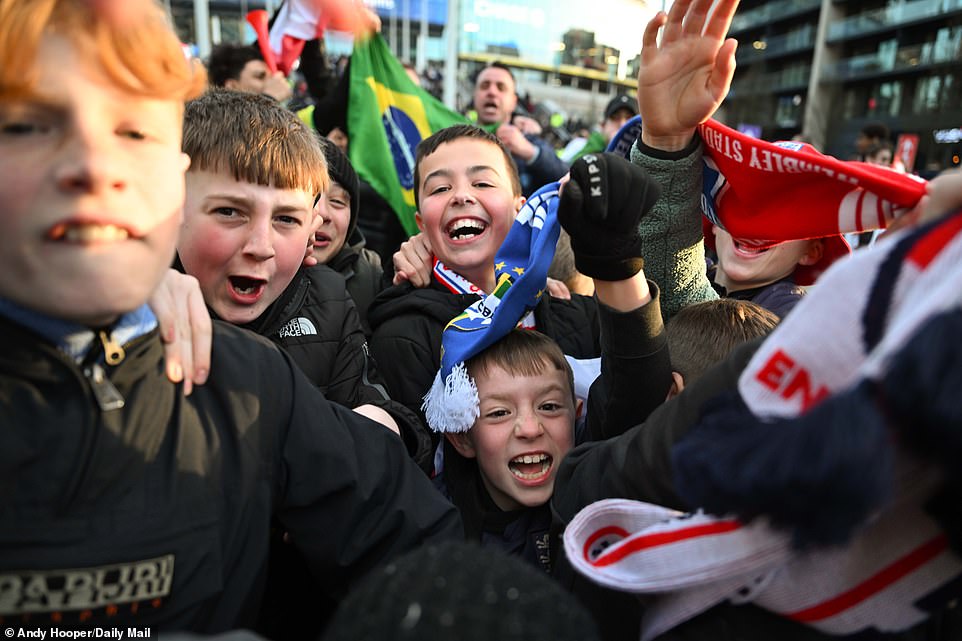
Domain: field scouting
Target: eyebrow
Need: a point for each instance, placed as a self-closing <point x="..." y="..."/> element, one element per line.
<point x="247" y="202"/>
<point x="554" y="387"/>
<point x="447" y="173"/>
<point x="34" y="101"/>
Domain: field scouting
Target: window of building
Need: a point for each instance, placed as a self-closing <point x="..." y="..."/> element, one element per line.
<point x="927" y="93"/>
<point x="886" y="100"/>
<point x="788" y="112"/>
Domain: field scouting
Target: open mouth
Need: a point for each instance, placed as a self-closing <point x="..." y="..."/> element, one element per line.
<point x="466" y="228"/>
<point x="321" y="239"/>
<point x="530" y="467"/>
<point x="245" y="287"/>
<point x="88" y="233"/>
<point x="752" y="248"/>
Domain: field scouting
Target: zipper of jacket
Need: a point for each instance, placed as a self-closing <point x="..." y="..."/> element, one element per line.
<point x="105" y="393"/>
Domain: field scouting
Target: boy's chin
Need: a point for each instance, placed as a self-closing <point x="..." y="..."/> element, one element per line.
<point x="90" y="313"/>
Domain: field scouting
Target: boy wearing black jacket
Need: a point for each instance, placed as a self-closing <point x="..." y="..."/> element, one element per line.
<point x="121" y="500"/>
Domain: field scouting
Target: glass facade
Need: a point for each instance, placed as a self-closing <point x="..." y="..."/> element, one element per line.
<point x="601" y="36"/>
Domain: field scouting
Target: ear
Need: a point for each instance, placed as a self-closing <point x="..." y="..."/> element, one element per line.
<point x="814" y="254"/>
<point x="231" y="83"/>
<point x="417" y="219"/>
<point x="519" y="202"/>
<point x="677" y="385"/>
<point x="461" y="442"/>
<point x="185" y="161"/>
<point x="579" y="406"/>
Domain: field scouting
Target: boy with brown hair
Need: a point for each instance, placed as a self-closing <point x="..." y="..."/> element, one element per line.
<point x="249" y="222"/>
<point x="505" y="398"/>
<point x="468" y="194"/>
<point x="120" y="500"/>
<point x="704" y="334"/>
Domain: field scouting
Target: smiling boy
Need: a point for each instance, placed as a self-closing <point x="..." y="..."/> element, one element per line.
<point x="468" y="194"/>
<point x="509" y="415"/>
<point x="121" y="501"/>
<point x="500" y="473"/>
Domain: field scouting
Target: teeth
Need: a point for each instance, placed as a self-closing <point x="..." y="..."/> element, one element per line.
<point x="469" y="227"/>
<point x="94" y="233"/>
<point x="750" y="250"/>
<point x="465" y="222"/>
<point x="538" y="458"/>
<point x="244" y="285"/>
<point x="530" y="458"/>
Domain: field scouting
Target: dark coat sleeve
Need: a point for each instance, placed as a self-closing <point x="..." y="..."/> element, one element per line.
<point x="346" y="490"/>
<point x="637" y="464"/>
<point x="635" y="369"/>
<point x="338" y="360"/>
<point x="412" y="347"/>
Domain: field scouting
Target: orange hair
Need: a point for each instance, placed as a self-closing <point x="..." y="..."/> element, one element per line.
<point x="130" y="39"/>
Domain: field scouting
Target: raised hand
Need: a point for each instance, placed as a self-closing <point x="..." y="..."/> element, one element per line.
<point x="683" y="79"/>
<point x="601" y="208"/>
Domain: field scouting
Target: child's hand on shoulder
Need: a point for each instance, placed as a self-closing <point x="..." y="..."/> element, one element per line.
<point x="185" y="328"/>
<point x="414" y="261"/>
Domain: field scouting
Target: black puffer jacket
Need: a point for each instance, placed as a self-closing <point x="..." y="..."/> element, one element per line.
<point x="407" y="325"/>
<point x="362" y="271"/>
<point x="316" y="322"/>
<point x="156" y="514"/>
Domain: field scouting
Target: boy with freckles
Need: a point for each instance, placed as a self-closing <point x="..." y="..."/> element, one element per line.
<point x="122" y="502"/>
<point x="249" y="220"/>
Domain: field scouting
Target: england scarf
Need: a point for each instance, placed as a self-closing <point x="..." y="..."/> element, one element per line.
<point x="894" y="566"/>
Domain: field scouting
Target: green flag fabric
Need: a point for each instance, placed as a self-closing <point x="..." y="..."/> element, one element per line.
<point x="387" y="116"/>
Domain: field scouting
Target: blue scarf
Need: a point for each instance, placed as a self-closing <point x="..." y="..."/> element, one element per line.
<point x="521" y="273"/>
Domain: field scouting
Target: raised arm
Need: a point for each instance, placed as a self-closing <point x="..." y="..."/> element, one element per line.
<point x="600" y="209"/>
<point x="681" y="82"/>
<point x="683" y="79"/>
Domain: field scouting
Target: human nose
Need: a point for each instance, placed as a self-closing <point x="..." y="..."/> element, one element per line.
<point x="87" y="165"/>
<point x="463" y="194"/>
<point x="528" y="425"/>
<point x="260" y="241"/>
<point x="320" y="211"/>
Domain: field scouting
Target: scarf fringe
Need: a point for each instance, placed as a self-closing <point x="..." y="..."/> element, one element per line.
<point x="451" y="405"/>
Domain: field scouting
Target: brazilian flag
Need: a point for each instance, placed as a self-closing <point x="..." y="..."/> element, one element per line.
<point x="387" y="116"/>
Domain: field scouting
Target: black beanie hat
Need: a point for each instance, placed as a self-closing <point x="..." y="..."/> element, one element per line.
<point x="459" y="591"/>
<point x="341" y="172"/>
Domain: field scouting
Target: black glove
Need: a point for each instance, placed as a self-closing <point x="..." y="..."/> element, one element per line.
<point x="601" y="207"/>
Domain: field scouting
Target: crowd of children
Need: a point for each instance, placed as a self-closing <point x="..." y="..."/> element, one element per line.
<point x="310" y="458"/>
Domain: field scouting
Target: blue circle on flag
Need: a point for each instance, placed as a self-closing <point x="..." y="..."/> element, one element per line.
<point x="403" y="137"/>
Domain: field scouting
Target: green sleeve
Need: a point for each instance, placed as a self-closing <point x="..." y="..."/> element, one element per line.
<point x="671" y="232"/>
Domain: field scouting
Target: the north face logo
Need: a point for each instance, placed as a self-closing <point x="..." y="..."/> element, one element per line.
<point x="297" y="327"/>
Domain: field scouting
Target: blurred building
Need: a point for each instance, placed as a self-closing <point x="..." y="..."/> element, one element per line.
<point x="825" y="68"/>
<point x="562" y="52"/>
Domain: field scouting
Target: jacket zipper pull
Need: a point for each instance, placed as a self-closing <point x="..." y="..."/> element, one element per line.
<point x="113" y="351"/>
<point x="108" y="397"/>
